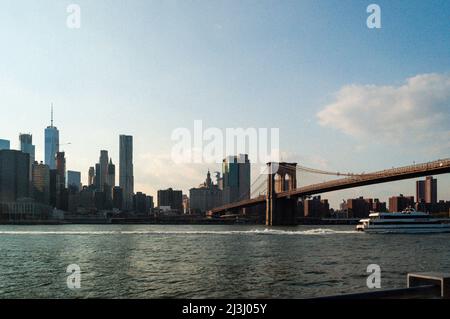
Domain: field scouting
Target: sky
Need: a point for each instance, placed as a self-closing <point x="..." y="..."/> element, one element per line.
<point x="344" y="97"/>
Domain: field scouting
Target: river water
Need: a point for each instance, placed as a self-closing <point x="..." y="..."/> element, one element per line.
<point x="204" y="261"/>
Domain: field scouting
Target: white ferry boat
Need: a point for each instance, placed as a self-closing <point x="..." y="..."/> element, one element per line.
<point x="407" y="221"/>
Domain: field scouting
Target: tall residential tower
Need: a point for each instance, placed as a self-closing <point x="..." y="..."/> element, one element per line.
<point x="126" y="179"/>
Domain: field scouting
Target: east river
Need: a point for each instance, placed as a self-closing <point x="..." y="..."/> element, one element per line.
<point x="204" y="261"/>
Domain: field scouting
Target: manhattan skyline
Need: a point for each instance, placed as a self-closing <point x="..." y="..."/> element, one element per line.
<point x="145" y="69"/>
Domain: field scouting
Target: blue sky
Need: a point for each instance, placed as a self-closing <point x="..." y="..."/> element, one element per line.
<point x="148" y="67"/>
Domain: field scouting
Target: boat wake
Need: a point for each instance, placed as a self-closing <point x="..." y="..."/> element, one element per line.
<point x="315" y="231"/>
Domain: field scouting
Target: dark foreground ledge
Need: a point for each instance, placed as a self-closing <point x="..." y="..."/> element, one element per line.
<point x="429" y="285"/>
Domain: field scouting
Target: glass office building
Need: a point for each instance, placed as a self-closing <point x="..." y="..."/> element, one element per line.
<point x="51" y="146"/>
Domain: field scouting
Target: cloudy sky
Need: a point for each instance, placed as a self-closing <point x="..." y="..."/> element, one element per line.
<point x="345" y="97"/>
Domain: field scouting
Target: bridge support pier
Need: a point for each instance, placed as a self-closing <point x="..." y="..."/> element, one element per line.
<point x="281" y="211"/>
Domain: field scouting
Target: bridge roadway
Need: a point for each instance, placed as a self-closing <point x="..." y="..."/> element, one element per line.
<point x="387" y="175"/>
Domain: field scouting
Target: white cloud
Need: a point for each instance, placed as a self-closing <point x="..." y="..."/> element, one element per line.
<point x="416" y="111"/>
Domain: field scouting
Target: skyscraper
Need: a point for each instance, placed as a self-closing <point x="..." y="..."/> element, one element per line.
<point x="236" y="178"/>
<point x="4" y="145"/>
<point x="91" y="176"/>
<point x="14" y="175"/>
<point x="26" y="146"/>
<point x="430" y="190"/>
<point x="61" y="168"/>
<point x="426" y="190"/>
<point x="55" y="188"/>
<point x="41" y="183"/>
<point x="51" y="144"/>
<point x="420" y="191"/>
<point x="103" y="161"/>
<point x="111" y="180"/>
<point x="117" y="197"/>
<point x="97" y="177"/>
<point x="126" y="179"/>
<point x="74" y="180"/>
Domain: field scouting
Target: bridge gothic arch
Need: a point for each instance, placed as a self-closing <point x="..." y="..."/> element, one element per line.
<point x="281" y="177"/>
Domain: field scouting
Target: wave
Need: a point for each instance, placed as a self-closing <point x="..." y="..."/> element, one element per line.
<point x="315" y="231"/>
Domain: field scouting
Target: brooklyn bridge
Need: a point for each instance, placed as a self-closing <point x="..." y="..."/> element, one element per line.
<point x="277" y="190"/>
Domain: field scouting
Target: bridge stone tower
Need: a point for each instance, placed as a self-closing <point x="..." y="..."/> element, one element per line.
<point x="281" y="177"/>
